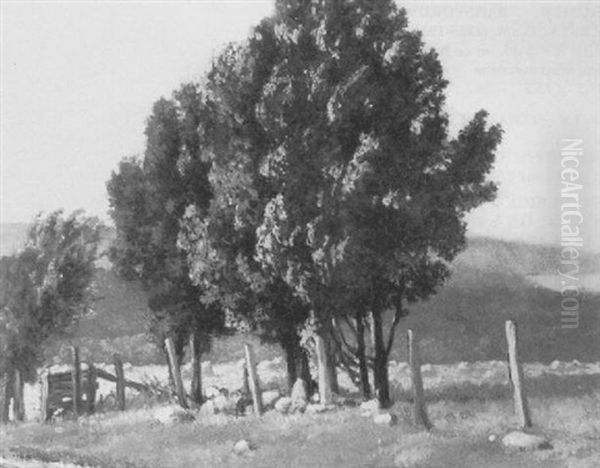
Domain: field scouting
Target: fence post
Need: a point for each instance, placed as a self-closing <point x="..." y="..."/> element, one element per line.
<point x="253" y="379"/>
<point x="176" y="372"/>
<point x="420" y="412"/>
<point x="516" y="376"/>
<point x="18" y="395"/>
<point x="44" y="395"/>
<point x="76" y="380"/>
<point x="91" y="389"/>
<point x="120" y="375"/>
<point x="196" y="389"/>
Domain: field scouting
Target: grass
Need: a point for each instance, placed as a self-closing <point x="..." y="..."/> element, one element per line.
<point x="566" y="408"/>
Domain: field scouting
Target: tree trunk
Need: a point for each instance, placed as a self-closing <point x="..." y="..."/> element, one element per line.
<point x="362" y="358"/>
<point x="18" y="395"/>
<point x="380" y="370"/>
<point x="5" y="395"/>
<point x="196" y="352"/>
<point x="332" y="365"/>
<point x="291" y="359"/>
<point x="176" y="373"/>
<point x="303" y="369"/>
<point x="171" y="380"/>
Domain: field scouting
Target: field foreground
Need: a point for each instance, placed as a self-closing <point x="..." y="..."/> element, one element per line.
<point x="470" y="419"/>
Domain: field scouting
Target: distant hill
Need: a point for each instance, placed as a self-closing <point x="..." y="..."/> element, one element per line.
<point x="492" y="281"/>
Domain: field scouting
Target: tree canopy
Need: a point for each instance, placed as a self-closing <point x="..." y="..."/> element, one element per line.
<point x="46" y="287"/>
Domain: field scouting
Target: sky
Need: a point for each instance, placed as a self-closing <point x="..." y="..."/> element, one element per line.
<point x="78" y="80"/>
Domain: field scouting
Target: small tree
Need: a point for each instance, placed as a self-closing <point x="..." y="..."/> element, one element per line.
<point x="45" y="288"/>
<point x="147" y="199"/>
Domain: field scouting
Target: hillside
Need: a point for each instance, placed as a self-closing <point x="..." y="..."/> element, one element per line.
<point x="492" y="281"/>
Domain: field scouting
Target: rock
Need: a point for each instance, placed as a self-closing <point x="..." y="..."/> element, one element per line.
<point x="366" y="414"/>
<point x="315" y="398"/>
<point x="242" y="447"/>
<point x="492" y="438"/>
<point x="172" y="415"/>
<point x="372" y="406"/>
<point x="555" y="365"/>
<point x="283" y="404"/>
<point x="208" y="408"/>
<point x="349" y="402"/>
<point x="269" y="398"/>
<point x="318" y="408"/>
<point x="298" y="406"/>
<point x="249" y="409"/>
<point x="387" y="419"/>
<point x="299" y="393"/>
<point x="221" y="403"/>
<point x="523" y="441"/>
<point x="213" y="392"/>
<point x="234" y="405"/>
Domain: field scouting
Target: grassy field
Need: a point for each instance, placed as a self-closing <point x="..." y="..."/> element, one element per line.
<point x="468" y="403"/>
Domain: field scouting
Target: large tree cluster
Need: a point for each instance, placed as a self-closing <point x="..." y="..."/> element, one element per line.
<point x="308" y="191"/>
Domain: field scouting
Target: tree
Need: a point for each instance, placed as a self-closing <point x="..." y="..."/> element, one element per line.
<point x="220" y="244"/>
<point x="147" y="199"/>
<point x="45" y="289"/>
<point x="370" y="191"/>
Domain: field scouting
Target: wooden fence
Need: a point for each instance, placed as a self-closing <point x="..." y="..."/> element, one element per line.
<point x="75" y="390"/>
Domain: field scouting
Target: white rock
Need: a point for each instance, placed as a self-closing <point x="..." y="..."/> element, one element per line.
<point x="299" y="393"/>
<point x="208" y="408"/>
<point x="213" y="392"/>
<point x="318" y="408"/>
<point x="269" y="397"/>
<point x="315" y="398"/>
<point x="241" y="447"/>
<point x="298" y="406"/>
<point x="554" y="365"/>
<point x="387" y="419"/>
<point x="227" y="405"/>
<point x="524" y="441"/>
<point x="172" y="415"/>
<point x="283" y="404"/>
<point x="492" y="438"/>
<point x="371" y="406"/>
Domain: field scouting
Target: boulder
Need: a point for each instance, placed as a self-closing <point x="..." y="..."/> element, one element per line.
<point x="372" y="406"/>
<point x="299" y="393"/>
<point x="208" y="408"/>
<point x="524" y="441"/>
<point x="242" y="447"/>
<point x="227" y="405"/>
<point x="298" y="406"/>
<point x="387" y="419"/>
<point x="213" y="392"/>
<point x="283" y="404"/>
<point x="269" y="398"/>
<point x="318" y="408"/>
<point x="172" y="415"/>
